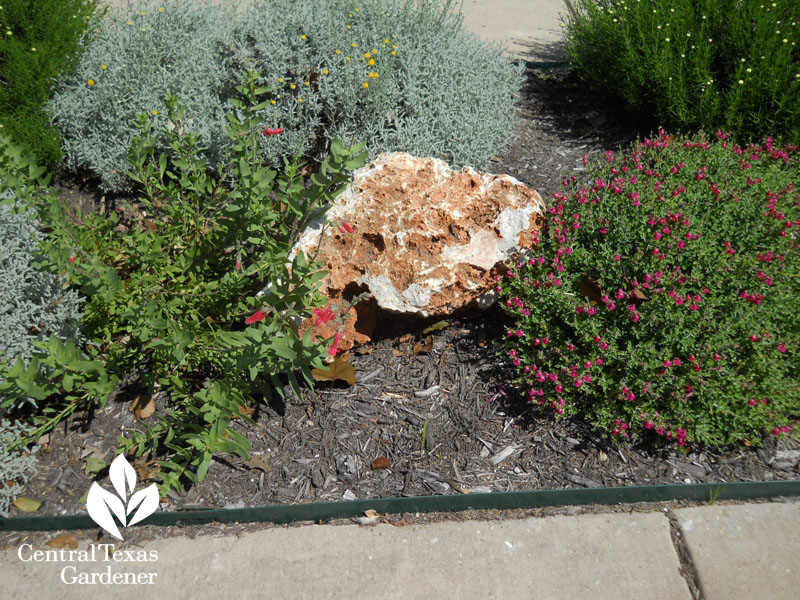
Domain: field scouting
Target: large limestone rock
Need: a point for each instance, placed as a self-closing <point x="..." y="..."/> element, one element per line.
<point x="426" y="240"/>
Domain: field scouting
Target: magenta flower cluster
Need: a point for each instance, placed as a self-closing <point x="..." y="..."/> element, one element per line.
<point x="661" y="296"/>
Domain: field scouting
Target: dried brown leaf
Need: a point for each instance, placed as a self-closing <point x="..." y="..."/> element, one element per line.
<point x="424" y="346"/>
<point x="339" y="369"/>
<point x="143" y="406"/>
<point x="62" y="541"/>
<point x="381" y="463"/>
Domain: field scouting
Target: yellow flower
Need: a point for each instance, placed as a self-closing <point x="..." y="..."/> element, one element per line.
<point x="306" y="83"/>
<point x="366" y="84"/>
<point x="350" y="15"/>
<point x="302" y="37"/>
<point x="155" y="112"/>
<point x="160" y="10"/>
<point x="90" y="82"/>
<point x="353" y="44"/>
<point x="349" y="27"/>
<point x="367" y="55"/>
<point x="394" y="46"/>
<point x="299" y="99"/>
<point x="143" y="29"/>
<point x="394" y="53"/>
<point x="374" y="51"/>
<point x="386" y="41"/>
<point x="104" y="66"/>
<point x="130" y="22"/>
<point x="141" y="13"/>
<point x="357" y="9"/>
<point x="371" y="61"/>
<point x="273" y="101"/>
<point x="324" y="71"/>
<point x="33" y="49"/>
<point x="347" y="58"/>
<point x="291" y="85"/>
<point x="280" y="79"/>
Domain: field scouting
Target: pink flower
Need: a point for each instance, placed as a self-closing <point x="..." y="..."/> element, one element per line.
<point x="71" y="258"/>
<point x="259" y="315"/>
<point x="238" y="265"/>
<point x="270" y="132"/>
<point x="323" y="316"/>
<point x="781" y="347"/>
<point x="333" y="348"/>
<point x="347" y="227"/>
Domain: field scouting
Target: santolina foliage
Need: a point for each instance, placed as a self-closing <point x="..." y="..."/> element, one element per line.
<point x="396" y="75"/>
<point x="694" y="64"/>
<point x="33" y="304"/>
<point x="16" y="467"/>
<point x="662" y="298"/>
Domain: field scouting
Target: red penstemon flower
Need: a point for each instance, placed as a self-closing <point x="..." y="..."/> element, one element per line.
<point x="334" y="347"/>
<point x="259" y="315"/>
<point x="323" y="316"/>
<point x="270" y="132"/>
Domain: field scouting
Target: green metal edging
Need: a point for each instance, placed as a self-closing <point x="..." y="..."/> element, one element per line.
<point x="325" y="511"/>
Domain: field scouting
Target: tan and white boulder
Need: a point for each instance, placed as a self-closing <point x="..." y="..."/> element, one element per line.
<point x="426" y="240"/>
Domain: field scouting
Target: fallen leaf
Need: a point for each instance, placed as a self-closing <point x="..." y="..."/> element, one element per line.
<point x="381" y="463"/>
<point x="310" y="412"/>
<point x="436" y="326"/>
<point x="638" y="295"/>
<point x="424" y="346"/>
<point x="62" y="541"/>
<point x="590" y="288"/>
<point x="371" y="513"/>
<point x="259" y="461"/>
<point x="146" y="470"/>
<point x="94" y="465"/>
<point x="143" y="406"/>
<point x="400" y="523"/>
<point x="405" y="338"/>
<point x="481" y="337"/>
<point x="399" y="353"/>
<point x="244" y="411"/>
<point x="339" y="369"/>
<point x="44" y="443"/>
<point x="364" y="350"/>
<point x="26" y="504"/>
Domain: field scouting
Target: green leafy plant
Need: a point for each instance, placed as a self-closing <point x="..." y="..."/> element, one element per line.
<point x="39" y="41"/>
<point x="661" y="299"/>
<point x="200" y="296"/>
<point x="398" y="75"/>
<point x="694" y="64"/>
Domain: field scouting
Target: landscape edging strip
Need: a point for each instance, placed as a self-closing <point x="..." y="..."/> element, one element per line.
<point x="325" y="511"/>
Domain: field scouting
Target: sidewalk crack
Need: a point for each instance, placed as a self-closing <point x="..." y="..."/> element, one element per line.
<point x="687" y="570"/>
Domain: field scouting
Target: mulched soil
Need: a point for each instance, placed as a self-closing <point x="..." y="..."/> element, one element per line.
<point x="444" y="417"/>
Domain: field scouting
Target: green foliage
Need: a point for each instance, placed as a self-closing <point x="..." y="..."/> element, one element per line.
<point x="34" y="304"/>
<point x="433" y="88"/>
<point x="694" y="64"/>
<point x="171" y="296"/>
<point x="662" y="299"/>
<point x="39" y="41"/>
<point x="16" y="467"/>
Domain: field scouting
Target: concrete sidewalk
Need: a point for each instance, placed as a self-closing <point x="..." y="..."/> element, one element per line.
<point x="737" y="551"/>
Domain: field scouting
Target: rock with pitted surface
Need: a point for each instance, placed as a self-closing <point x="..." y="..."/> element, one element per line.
<point x="422" y="238"/>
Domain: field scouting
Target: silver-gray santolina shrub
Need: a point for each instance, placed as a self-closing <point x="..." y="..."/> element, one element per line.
<point x="398" y="75"/>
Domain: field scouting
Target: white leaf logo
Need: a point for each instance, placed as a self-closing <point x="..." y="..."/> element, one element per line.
<point x="103" y="506"/>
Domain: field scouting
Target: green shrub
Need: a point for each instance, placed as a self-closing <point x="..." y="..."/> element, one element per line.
<point x="662" y="298"/>
<point x="434" y="90"/>
<point x="179" y="297"/>
<point x="694" y="64"/>
<point x="16" y="467"/>
<point x="38" y="41"/>
<point x="34" y="304"/>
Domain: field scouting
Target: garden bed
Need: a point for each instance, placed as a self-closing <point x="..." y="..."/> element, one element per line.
<point x="431" y="412"/>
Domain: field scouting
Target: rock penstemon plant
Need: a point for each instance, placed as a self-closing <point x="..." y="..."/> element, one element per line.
<point x="178" y="297"/>
<point x="662" y="298"/>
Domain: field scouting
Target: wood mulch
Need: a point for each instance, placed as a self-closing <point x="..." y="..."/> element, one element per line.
<point x="441" y="418"/>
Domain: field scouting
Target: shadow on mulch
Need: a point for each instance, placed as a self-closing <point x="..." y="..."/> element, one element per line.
<point x="445" y="418"/>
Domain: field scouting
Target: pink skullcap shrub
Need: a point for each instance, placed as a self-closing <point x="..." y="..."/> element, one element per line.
<point x="662" y="299"/>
